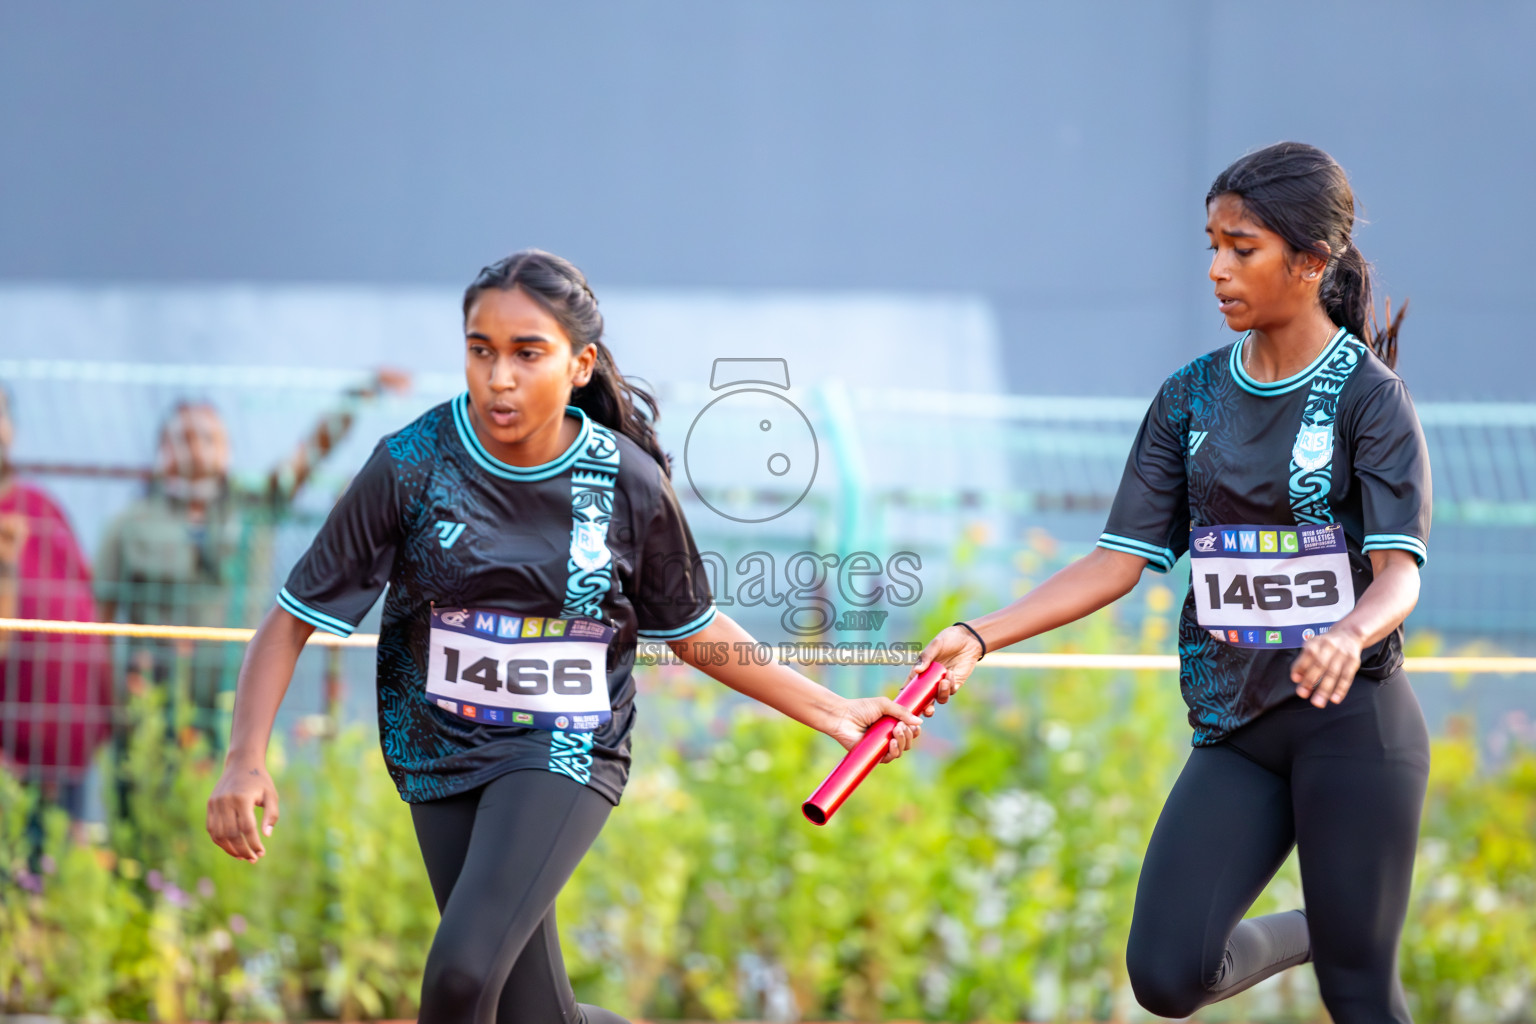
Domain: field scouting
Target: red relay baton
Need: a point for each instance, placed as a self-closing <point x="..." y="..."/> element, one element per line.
<point x="861" y="760"/>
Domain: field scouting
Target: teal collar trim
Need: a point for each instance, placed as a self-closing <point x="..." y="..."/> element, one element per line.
<point x="525" y="474"/>
<point x="1265" y="389"/>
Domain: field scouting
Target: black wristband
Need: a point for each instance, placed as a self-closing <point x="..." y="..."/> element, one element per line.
<point x="967" y="627"/>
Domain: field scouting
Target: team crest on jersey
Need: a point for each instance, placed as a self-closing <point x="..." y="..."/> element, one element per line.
<point x="589" y="547"/>
<point x="1314" y="447"/>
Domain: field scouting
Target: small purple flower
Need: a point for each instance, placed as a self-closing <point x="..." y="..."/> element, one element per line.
<point x="49" y="865"/>
<point x="154" y="879"/>
<point x="1522" y="725"/>
<point x="205" y="888"/>
<point x="237" y="924"/>
<point x="175" y="896"/>
<point x="28" y="881"/>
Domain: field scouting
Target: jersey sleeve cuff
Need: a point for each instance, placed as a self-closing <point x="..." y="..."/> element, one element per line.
<point x="1396" y="542"/>
<point x="684" y="631"/>
<point x="304" y="613"/>
<point x="1158" y="559"/>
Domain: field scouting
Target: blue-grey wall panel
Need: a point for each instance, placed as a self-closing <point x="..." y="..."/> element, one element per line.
<point x="1049" y="157"/>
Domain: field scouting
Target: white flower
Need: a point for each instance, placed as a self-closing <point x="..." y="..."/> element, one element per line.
<point x="1015" y="815"/>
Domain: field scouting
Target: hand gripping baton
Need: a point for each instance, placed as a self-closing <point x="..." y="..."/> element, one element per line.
<point x="861" y="760"/>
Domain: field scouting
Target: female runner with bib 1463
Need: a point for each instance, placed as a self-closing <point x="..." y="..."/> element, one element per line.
<point x="528" y="533"/>
<point x="1292" y="468"/>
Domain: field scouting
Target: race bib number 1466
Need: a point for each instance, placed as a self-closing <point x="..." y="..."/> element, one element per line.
<point x="502" y="669"/>
<point x="1270" y="586"/>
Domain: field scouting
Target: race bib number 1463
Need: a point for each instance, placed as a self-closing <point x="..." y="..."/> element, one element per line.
<point x="1270" y="586"/>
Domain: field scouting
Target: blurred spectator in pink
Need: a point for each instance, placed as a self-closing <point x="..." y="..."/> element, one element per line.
<point x="55" y="691"/>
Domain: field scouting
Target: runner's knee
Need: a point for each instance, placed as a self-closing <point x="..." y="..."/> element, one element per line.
<point x="1163" y="996"/>
<point x="1164" y="980"/>
<point x="452" y="992"/>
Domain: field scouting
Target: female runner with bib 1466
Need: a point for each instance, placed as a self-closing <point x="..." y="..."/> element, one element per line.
<point x="528" y="532"/>
<point x="1292" y="468"/>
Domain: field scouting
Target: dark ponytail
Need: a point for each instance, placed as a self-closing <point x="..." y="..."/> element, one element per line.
<point x="1301" y="194"/>
<point x="562" y="289"/>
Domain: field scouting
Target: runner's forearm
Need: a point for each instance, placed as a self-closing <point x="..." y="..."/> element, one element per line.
<point x="1097" y="579"/>
<point x="1393" y="593"/>
<point x="776" y="685"/>
<point x="264" y="677"/>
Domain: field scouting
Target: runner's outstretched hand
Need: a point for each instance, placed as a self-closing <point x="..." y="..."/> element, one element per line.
<point x="957" y="650"/>
<point x="855" y="717"/>
<point x="232" y="810"/>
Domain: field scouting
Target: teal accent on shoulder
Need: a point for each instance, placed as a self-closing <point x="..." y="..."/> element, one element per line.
<point x="304" y="613"/>
<point x="526" y="474"/>
<point x="1266" y="389"/>
<point x="1158" y="559"/>
<point x="1396" y="542"/>
<point x="684" y="631"/>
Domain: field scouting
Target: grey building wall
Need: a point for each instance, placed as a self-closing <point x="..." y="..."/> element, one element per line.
<point x="1051" y="158"/>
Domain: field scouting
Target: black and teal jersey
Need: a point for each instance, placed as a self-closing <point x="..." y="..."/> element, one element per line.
<point x="1338" y="442"/>
<point x="597" y="533"/>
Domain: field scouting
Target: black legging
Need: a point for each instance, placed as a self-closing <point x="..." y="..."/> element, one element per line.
<point x="1345" y="785"/>
<point x="498" y="856"/>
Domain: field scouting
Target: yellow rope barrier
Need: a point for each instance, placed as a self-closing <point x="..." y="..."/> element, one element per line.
<point x="807" y="654"/>
<point x="215" y="634"/>
<point x="1170" y="663"/>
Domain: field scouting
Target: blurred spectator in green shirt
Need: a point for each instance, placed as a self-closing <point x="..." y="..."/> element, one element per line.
<point x="196" y="549"/>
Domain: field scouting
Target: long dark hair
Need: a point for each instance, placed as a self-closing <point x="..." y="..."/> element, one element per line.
<point x="1302" y="194"/>
<point x="562" y="289"/>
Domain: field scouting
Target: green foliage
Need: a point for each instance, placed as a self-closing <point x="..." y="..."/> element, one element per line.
<point x="1470" y="948"/>
<point x="988" y="876"/>
<point x="160" y="924"/>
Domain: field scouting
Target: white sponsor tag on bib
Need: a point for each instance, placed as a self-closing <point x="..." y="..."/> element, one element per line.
<point x="490" y="666"/>
<point x="1270" y="586"/>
